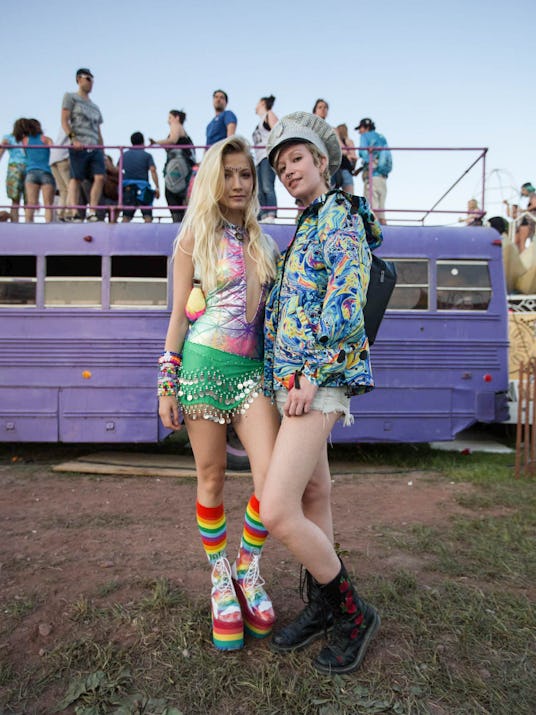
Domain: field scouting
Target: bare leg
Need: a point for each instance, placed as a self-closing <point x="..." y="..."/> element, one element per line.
<point x="73" y="195"/>
<point x="96" y="191"/>
<point x="296" y="455"/>
<point x="15" y="212"/>
<point x="48" y="199"/>
<point x="316" y="498"/>
<point x="257" y="430"/>
<point x="522" y="235"/>
<point x="208" y="441"/>
<point x="32" y="198"/>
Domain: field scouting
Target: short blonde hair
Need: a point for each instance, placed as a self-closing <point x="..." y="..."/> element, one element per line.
<point x="315" y="153"/>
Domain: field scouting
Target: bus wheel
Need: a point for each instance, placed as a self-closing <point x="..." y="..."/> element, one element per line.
<point x="237" y="459"/>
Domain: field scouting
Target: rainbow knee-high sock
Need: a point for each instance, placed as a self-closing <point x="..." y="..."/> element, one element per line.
<point x="256" y="606"/>
<point x="254" y="533"/>
<point x="213" y="529"/>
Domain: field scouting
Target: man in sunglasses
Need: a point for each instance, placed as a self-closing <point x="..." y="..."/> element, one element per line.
<point x="81" y="119"/>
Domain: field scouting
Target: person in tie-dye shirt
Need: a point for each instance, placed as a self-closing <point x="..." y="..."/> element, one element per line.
<point x="316" y="357"/>
<point x="212" y="367"/>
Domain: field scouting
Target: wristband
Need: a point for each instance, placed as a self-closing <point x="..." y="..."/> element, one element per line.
<point x="170" y="358"/>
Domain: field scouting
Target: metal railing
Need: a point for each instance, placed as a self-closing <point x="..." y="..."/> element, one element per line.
<point x="421" y="213"/>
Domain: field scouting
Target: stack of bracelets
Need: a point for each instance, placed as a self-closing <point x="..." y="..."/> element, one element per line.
<point x="168" y="378"/>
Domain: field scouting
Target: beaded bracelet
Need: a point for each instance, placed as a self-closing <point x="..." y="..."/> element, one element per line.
<point x="167" y="386"/>
<point x="168" y="365"/>
<point x="170" y="357"/>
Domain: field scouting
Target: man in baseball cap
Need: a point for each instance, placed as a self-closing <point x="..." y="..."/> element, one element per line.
<point x="380" y="166"/>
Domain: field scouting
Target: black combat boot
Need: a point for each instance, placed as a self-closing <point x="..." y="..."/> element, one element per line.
<point x="314" y="620"/>
<point x="355" y="622"/>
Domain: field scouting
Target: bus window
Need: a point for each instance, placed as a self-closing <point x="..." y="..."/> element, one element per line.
<point x="73" y="281"/>
<point x="18" y="280"/>
<point x="463" y="285"/>
<point x="138" y="282"/>
<point x="411" y="290"/>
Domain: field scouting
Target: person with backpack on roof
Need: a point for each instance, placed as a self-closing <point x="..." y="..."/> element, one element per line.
<point x="382" y="164"/>
<point x="179" y="164"/>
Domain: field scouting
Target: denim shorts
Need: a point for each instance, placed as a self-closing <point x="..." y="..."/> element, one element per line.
<point x="347" y="178"/>
<point x="326" y="400"/>
<point x="38" y="176"/>
<point x="86" y="163"/>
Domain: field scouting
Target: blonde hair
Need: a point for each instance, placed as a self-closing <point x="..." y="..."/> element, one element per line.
<point x="315" y="153"/>
<point x="205" y="221"/>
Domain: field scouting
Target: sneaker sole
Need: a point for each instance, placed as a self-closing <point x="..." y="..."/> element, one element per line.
<point x="354" y="665"/>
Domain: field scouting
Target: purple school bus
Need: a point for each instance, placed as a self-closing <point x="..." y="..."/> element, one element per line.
<point x="84" y="311"/>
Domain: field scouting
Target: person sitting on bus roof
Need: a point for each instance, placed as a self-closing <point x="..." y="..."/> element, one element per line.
<point x="81" y="120"/>
<point x="213" y="368"/>
<point x="137" y="163"/>
<point x="474" y="215"/>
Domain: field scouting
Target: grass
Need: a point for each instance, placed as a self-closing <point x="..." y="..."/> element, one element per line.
<point x="458" y="638"/>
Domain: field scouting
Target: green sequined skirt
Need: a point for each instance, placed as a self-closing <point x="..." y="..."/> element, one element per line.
<point x="215" y="385"/>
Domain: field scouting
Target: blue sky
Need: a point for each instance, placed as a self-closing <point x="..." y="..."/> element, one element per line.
<point x="435" y="74"/>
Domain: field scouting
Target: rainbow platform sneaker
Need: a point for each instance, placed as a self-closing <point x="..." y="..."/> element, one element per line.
<point x="257" y="609"/>
<point x="227" y="623"/>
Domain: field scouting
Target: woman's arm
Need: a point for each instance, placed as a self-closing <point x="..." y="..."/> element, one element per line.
<point x="183" y="273"/>
<point x="271" y="119"/>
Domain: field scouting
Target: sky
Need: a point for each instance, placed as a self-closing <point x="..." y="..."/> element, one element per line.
<point x="429" y="74"/>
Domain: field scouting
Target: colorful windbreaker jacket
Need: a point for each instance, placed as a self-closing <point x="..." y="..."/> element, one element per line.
<point x="314" y="313"/>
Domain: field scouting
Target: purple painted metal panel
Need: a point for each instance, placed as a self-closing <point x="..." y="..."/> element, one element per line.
<point x="90" y="372"/>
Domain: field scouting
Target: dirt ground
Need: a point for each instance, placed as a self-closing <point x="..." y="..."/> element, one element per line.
<point x="66" y="536"/>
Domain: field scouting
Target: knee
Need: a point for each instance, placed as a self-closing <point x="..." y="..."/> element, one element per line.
<point x="317" y="493"/>
<point x="275" y="520"/>
<point x="210" y="480"/>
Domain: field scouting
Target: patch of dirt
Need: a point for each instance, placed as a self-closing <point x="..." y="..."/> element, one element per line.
<point x="67" y="538"/>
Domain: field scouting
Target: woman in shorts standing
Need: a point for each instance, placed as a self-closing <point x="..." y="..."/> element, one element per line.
<point x="316" y="357"/>
<point x="38" y="172"/>
<point x="212" y="368"/>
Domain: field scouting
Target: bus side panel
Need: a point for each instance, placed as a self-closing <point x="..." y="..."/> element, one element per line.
<point x="108" y="415"/>
<point x="28" y="414"/>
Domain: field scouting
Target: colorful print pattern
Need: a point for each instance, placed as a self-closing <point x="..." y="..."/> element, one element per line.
<point x="314" y="313"/>
<point x="224" y="325"/>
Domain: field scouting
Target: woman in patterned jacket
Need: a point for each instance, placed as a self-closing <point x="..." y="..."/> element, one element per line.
<point x="316" y="357"/>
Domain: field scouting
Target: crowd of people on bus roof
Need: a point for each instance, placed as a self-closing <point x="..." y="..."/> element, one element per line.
<point x="74" y="170"/>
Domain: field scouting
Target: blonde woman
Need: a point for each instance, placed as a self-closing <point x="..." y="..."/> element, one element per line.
<point x="212" y="370"/>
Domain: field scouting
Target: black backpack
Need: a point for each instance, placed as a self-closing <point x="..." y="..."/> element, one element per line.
<point x="380" y="288"/>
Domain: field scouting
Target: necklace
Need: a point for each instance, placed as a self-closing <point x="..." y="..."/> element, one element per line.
<point x="239" y="232"/>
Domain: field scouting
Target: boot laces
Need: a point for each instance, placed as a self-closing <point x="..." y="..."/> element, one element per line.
<point x="253" y="579"/>
<point x="221" y="576"/>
